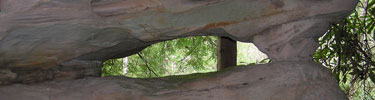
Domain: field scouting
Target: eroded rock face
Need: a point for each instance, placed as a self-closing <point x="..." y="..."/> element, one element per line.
<point x="68" y="39"/>
<point x="276" y="81"/>
<point x="38" y="36"/>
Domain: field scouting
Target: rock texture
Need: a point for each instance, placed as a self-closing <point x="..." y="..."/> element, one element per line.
<point x="68" y="39"/>
<point x="48" y="39"/>
<point x="276" y="81"/>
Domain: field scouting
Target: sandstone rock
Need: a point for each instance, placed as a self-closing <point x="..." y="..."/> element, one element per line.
<point x="275" y="81"/>
<point x="43" y="34"/>
<point x="68" y="39"/>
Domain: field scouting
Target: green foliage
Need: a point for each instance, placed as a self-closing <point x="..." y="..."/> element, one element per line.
<point x="348" y="49"/>
<point x="363" y="90"/>
<point x="113" y="67"/>
<point x="179" y="56"/>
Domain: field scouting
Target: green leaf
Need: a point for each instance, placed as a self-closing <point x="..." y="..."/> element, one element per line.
<point x="372" y="76"/>
<point x="371" y="3"/>
<point x="344" y="79"/>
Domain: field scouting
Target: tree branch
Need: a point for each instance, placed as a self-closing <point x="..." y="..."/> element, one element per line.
<point x="148" y="67"/>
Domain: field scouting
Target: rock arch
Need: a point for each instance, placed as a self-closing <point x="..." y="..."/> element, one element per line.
<point x="67" y="39"/>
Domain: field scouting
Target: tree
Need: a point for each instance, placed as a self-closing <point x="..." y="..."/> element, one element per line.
<point x="125" y="65"/>
<point x="348" y="50"/>
<point x="112" y="67"/>
<point x="179" y="56"/>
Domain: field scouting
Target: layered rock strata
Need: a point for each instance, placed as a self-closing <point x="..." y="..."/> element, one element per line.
<point x="275" y="81"/>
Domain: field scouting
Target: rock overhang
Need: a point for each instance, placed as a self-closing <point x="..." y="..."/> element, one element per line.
<point x="45" y="36"/>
